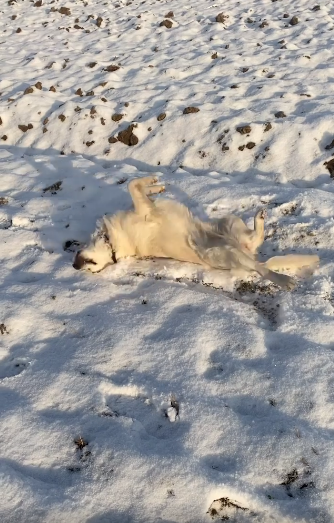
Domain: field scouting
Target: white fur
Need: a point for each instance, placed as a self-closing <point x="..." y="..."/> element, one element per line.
<point x="167" y="229"/>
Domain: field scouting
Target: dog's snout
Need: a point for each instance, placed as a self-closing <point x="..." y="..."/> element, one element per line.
<point x="79" y="262"/>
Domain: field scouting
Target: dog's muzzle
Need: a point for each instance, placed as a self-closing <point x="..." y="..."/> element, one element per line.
<point x="79" y="262"/>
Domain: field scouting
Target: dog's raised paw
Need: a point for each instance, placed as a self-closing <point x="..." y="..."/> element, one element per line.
<point x="262" y="214"/>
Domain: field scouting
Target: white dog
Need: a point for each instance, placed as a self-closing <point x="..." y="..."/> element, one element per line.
<point x="167" y="229"/>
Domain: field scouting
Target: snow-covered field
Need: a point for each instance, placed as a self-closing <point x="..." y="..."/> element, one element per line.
<point x="158" y="391"/>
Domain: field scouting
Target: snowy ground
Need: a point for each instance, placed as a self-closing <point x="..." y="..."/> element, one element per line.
<point x="146" y="392"/>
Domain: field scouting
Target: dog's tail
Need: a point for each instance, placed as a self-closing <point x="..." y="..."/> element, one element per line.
<point x="292" y="261"/>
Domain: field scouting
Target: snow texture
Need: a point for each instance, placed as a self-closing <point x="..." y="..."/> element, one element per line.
<point x="155" y="391"/>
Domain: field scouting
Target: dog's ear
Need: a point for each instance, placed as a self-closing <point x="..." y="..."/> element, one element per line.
<point x="101" y="231"/>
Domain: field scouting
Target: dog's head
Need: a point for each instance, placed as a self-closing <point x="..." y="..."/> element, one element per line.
<point x="97" y="254"/>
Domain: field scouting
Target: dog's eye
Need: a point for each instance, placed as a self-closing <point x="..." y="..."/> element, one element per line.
<point x="91" y="261"/>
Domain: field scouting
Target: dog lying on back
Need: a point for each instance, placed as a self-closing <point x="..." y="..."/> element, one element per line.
<point x="167" y="229"/>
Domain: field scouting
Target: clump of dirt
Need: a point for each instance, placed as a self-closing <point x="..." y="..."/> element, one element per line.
<point x="267" y="127"/>
<point x="111" y="68"/>
<point x="250" y="145"/>
<point x="280" y="114"/>
<point x="3" y="201"/>
<point x="127" y="136"/>
<point x="80" y="443"/>
<point x="117" y="117"/>
<point x="294" y="20"/>
<point x="28" y="90"/>
<point x="330" y="167"/>
<point x="166" y="23"/>
<point x="221" y="18"/>
<point x="3" y="329"/>
<point x="64" y="11"/>
<point x="190" y="110"/>
<point x="79" y="92"/>
<point x="99" y="21"/>
<point x="52" y="88"/>
<point x="221" y="509"/>
<point x="38" y="85"/>
<point x="161" y="117"/>
<point x="62" y="117"/>
<point x="53" y="188"/>
<point x="244" y="129"/>
<point x="290" y="210"/>
<point x="25" y="128"/>
<point x="169" y="15"/>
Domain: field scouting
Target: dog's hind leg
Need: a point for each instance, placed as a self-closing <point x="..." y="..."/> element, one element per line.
<point x="256" y="237"/>
<point x="230" y="258"/>
<point x="154" y="189"/>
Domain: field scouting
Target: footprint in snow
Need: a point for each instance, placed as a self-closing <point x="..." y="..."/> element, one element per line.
<point x="144" y="414"/>
<point x="13" y="367"/>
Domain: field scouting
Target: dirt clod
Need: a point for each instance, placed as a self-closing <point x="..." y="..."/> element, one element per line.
<point x="330" y="167"/>
<point x="111" y="68"/>
<point x="294" y="20"/>
<point x="244" y="129"/>
<point x="280" y="114"/>
<point x="127" y="136"/>
<point x="189" y="110"/>
<point x="221" y="18"/>
<point x="166" y="23"/>
<point x="25" y="128"/>
<point x="28" y="90"/>
<point x="250" y="145"/>
<point x="53" y="188"/>
<point x="161" y="117"/>
<point x="64" y="11"/>
<point x="116" y="117"/>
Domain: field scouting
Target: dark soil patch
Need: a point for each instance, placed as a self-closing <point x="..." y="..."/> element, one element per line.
<point x="127" y="136"/>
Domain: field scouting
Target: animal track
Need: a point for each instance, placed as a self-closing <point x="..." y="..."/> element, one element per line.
<point x="143" y="413"/>
<point x="13" y="367"/>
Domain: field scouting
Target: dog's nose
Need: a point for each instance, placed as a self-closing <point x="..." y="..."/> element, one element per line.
<point x="78" y="262"/>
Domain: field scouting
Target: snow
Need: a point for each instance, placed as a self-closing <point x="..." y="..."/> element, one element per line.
<point x="157" y="391"/>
